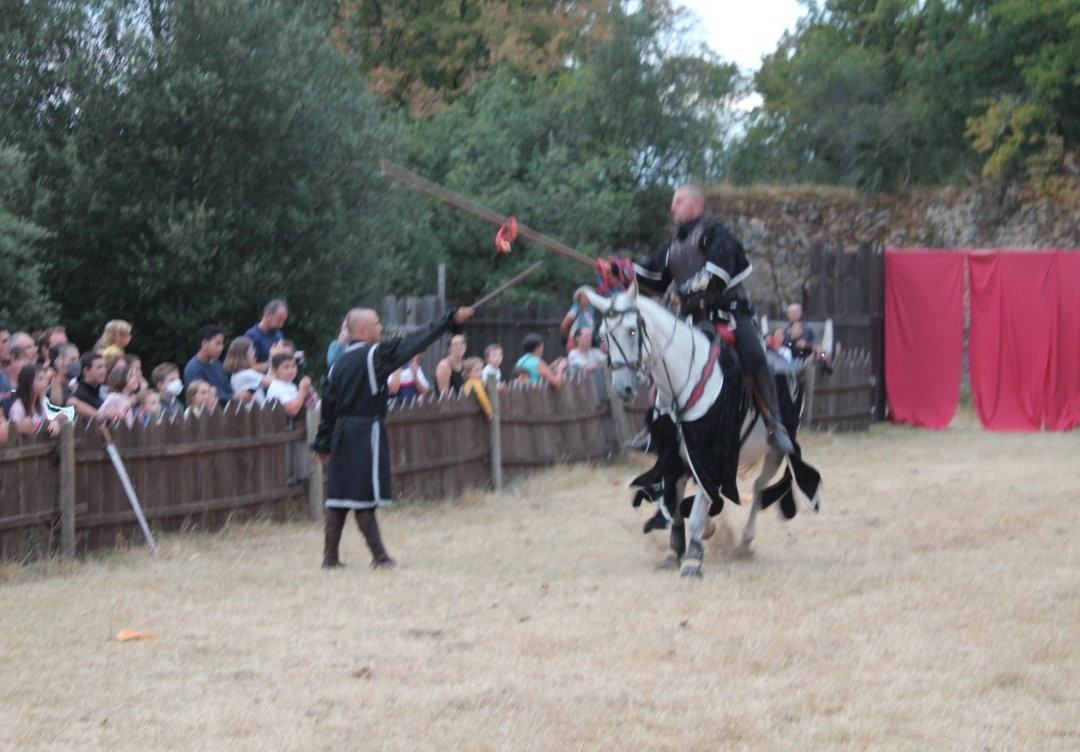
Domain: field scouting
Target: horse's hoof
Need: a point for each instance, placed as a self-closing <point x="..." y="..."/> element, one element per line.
<point x="670" y="561"/>
<point x="690" y="568"/>
<point x="710" y="529"/>
<point x="743" y="551"/>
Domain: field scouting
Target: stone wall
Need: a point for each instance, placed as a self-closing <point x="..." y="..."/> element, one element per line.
<point x="779" y="226"/>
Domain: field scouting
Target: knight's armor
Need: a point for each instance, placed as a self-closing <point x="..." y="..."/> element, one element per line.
<point x="707" y="265"/>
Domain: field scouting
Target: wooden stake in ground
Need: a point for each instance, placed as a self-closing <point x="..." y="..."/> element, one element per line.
<point x="411" y="179"/>
<point x="121" y="471"/>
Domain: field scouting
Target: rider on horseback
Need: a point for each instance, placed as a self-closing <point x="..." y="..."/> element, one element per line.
<point x="707" y="266"/>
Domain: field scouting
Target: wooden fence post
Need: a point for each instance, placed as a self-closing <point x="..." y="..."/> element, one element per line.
<point x="67" y="488"/>
<point x="810" y="383"/>
<point x="495" y="434"/>
<point x="315" y="479"/>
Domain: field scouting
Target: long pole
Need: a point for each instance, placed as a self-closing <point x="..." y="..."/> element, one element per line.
<point x="507" y="285"/>
<point x="125" y="481"/>
<point x="422" y="184"/>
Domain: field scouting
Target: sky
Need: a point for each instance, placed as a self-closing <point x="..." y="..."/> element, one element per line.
<point x="741" y="31"/>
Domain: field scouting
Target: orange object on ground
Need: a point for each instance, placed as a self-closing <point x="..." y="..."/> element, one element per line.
<point x="126" y="635"/>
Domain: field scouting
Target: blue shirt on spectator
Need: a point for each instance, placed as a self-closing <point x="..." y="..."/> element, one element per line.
<point x="6" y="395"/>
<point x="263" y="342"/>
<point x="212" y="373"/>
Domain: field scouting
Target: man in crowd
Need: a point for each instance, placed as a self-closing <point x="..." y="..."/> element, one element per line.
<point x="794" y="316"/>
<point x="585" y="358"/>
<point x="50" y="338"/>
<point x="5" y="355"/>
<point x="267" y="331"/>
<point x="205" y="365"/>
<point x="87" y="397"/>
<point x="64" y="359"/>
<point x="351" y="434"/>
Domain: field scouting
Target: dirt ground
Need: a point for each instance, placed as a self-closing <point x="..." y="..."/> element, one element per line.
<point x="933" y="604"/>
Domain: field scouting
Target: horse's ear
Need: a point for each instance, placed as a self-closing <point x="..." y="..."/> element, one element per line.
<point x="631" y="291"/>
<point x="598" y="301"/>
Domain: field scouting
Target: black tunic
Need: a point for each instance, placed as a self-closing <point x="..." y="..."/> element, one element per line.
<point x="353" y="407"/>
<point x="706" y="264"/>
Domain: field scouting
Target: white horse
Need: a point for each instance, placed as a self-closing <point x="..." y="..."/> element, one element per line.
<point x="642" y="333"/>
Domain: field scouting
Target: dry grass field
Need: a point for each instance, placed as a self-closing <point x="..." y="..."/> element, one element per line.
<point x="933" y="604"/>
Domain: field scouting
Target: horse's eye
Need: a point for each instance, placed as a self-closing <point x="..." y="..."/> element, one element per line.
<point x="633" y="332"/>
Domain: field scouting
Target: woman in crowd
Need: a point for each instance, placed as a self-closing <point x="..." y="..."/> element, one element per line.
<point x="533" y="362"/>
<point x="246" y="381"/>
<point x="28" y="410"/>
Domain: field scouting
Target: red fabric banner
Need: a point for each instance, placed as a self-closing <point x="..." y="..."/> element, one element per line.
<point x="1063" y="382"/>
<point x="1014" y="299"/>
<point x="924" y="335"/>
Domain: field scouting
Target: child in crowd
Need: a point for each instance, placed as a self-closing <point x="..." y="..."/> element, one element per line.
<point x="212" y="401"/>
<point x="148" y="407"/>
<point x="521" y="375"/>
<point x="198" y="392"/>
<point x="472" y="369"/>
<point x="166" y="378"/>
<point x="123" y="383"/>
<point x="493" y="358"/>
<point x="408" y="382"/>
<point x="240" y="361"/>
<point x="282" y="389"/>
<point x="114" y="339"/>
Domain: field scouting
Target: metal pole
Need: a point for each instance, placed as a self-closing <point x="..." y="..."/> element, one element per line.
<point x="125" y="481"/>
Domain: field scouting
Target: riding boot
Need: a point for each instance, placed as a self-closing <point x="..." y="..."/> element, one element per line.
<point x="369" y="527"/>
<point x="335" y="523"/>
<point x="766" y="386"/>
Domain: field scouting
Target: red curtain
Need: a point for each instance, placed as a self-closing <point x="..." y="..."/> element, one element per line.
<point x="924" y="335"/>
<point x="1023" y="345"/>
<point x="1063" y="382"/>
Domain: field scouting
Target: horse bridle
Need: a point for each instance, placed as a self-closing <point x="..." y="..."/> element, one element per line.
<point x="640" y="334"/>
<point x="612" y="314"/>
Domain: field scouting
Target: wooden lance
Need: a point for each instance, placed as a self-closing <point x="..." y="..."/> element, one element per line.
<point x="507" y="285"/>
<point x="411" y="179"/>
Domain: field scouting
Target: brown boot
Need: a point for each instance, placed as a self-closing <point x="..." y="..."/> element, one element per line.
<point x="335" y="523"/>
<point x="369" y="527"/>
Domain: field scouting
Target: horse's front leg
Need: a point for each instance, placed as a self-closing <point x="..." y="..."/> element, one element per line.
<point x="695" y="551"/>
<point x="673" y="491"/>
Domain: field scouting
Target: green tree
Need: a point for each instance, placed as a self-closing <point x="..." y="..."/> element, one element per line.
<point x="223" y="153"/>
<point x="24" y="302"/>
<point x="876" y="94"/>
<point x="587" y="156"/>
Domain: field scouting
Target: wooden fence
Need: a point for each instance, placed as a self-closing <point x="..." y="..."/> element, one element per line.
<point x="843" y="399"/>
<point x="200" y="472"/>
<point x="188" y="473"/>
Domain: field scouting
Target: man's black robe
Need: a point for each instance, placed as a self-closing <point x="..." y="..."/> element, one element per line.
<point x="353" y="407"/>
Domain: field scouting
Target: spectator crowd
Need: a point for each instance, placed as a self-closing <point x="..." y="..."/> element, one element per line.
<point x="46" y="379"/>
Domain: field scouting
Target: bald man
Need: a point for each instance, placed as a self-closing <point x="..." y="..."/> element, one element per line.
<point x="351" y="435"/>
<point x="706" y="265"/>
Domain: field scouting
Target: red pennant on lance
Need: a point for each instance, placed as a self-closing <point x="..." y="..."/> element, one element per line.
<point x="506" y="235"/>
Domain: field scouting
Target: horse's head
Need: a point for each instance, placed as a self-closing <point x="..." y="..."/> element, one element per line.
<point x="622" y="330"/>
